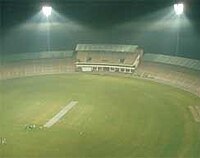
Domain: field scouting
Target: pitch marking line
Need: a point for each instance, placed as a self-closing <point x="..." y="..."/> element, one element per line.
<point x="195" y="113"/>
<point x="59" y="115"/>
<point x="198" y="109"/>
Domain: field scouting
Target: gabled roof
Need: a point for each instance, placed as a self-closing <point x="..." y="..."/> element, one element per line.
<point x="106" y="47"/>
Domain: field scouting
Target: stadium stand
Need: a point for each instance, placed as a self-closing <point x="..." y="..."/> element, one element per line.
<point x="37" y="55"/>
<point x="108" y="57"/>
<point x="180" y="72"/>
<point x="30" y="64"/>
<point x="179" y="61"/>
<point x="179" y="76"/>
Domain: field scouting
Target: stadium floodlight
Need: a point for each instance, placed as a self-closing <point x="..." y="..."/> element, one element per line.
<point x="178" y="8"/>
<point x="46" y="10"/>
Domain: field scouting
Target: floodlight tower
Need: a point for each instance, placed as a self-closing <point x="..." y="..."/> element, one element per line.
<point x="179" y="9"/>
<point x="47" y="12"/>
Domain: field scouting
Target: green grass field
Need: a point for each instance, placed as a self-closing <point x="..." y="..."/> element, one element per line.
<point x="114" y="117"/>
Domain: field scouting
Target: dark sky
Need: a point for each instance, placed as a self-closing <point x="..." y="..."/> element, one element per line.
<point x="148" y="23"/>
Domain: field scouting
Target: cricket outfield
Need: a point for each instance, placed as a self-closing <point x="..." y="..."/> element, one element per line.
<point x="115" y="117"/>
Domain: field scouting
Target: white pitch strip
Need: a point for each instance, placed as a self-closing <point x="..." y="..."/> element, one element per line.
<point x="59" y="115"/>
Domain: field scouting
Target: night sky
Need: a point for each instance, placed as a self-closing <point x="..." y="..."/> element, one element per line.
<point x="151" y="24"/>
